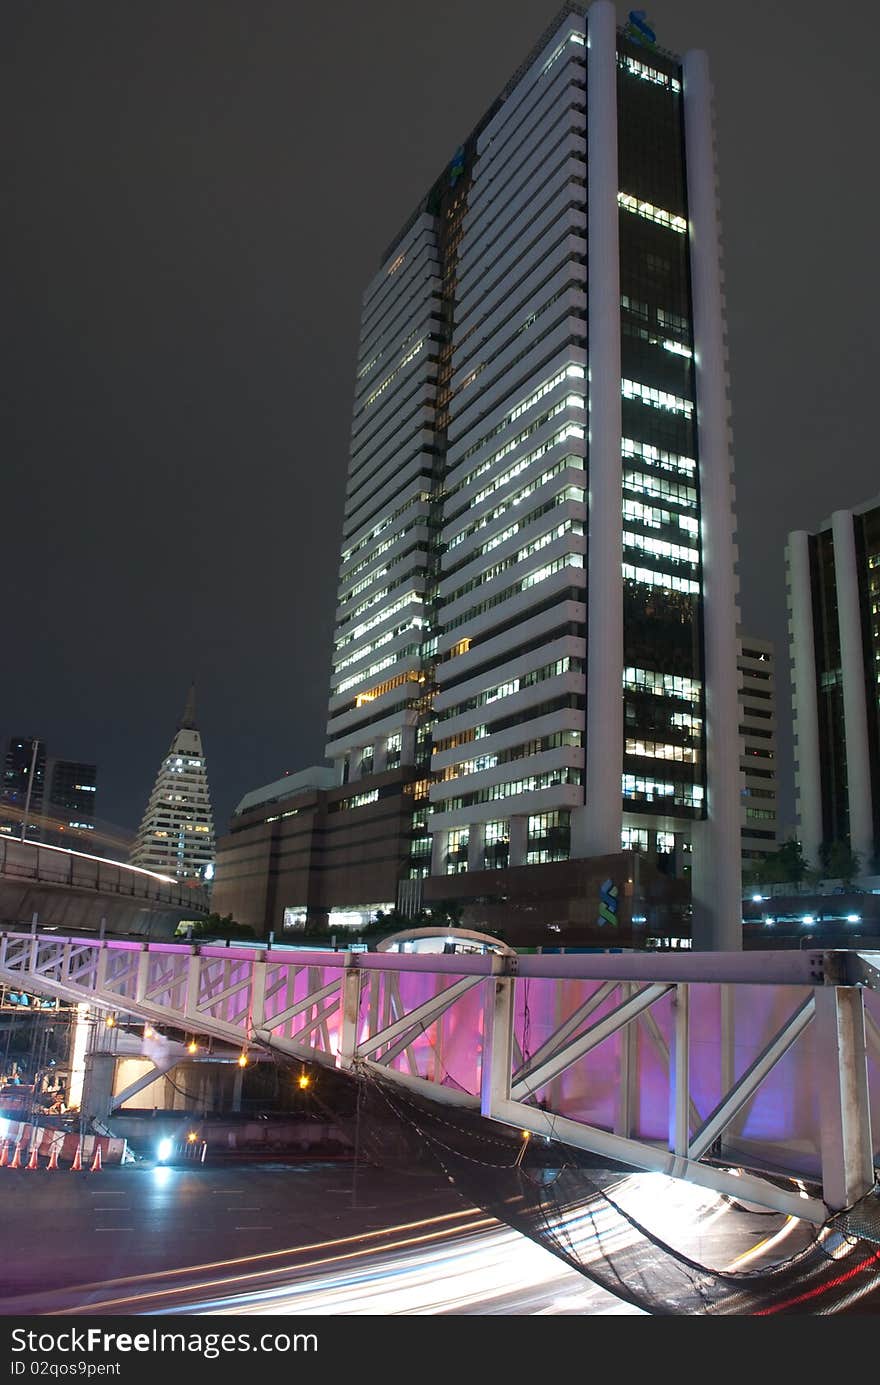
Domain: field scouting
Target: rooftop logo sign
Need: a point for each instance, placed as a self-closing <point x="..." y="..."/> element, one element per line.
<point x="639" y="30"/>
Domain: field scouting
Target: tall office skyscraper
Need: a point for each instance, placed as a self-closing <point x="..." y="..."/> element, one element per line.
<point x="537" y="602"/>
<point x="176" y="835"/>
<point x="833" y="579"/>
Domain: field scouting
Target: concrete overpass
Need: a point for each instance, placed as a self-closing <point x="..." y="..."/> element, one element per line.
<point x="78" y="892"/>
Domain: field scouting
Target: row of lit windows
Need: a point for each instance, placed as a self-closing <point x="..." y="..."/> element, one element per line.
<point x="653" y="518"/>
<point x="660" y="750"/>
<point x="657" y="399"/>
<point x="575" y="560"/>
<point x="345" y="595"/>
<point x="420" y="499"/>
<point x="509" y="447"/>
<point x="649" y="212"/>
<point x="406" y="600"/>
<point x="568" y="493"/>
<point x="572" y="38"/>
<point x="659" y="548"/>
<point x="646" y="73"/>
<point x="523" y="523"/>
<point x="377" y="667"/>
<point x="378" y="643"/>
<point x="569" y="372"/>
<point x="569" y="526"/>
<point x="389" y="378"/>
<point x="531" y="784"/>
<point x="677" y="348"/>
<point x="515" y="685"/>
<point x="685" y="795"/>
<point x="636" y="839"/>
<point x="365" y="369"/>
<point x="673" y="322"/>
<point x="661" y="489"/>
<point x="665" y="580"/>
<point x="517" y="752"/>
<point x="359" y="800"/>
<point x="572" y="430"/>
<point x="653" y="456"/>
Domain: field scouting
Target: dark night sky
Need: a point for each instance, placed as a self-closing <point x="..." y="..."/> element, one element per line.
<point x="196" y="193"/>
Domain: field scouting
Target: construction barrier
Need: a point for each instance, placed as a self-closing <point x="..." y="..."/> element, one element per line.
<point x="43" y="1139"/>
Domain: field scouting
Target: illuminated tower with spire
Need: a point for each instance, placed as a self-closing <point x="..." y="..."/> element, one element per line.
<point x="176" y="835"/>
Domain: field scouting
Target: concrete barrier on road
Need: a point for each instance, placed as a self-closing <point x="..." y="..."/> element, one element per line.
<point x="46" y="1141"/>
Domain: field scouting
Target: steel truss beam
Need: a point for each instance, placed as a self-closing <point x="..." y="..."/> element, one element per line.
<point x="353" y="1017"/>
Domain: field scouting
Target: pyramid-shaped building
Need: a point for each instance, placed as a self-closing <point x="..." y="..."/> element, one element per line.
<point x="176" y="835"/>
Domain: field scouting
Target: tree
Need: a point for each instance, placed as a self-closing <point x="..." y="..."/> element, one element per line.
<point x="840" y="862"/>
<point x="221" y="926"/>
<point x="791" y="861"/>
<point x="447" y="912"/>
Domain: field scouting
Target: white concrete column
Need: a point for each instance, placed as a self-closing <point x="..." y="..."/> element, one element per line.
<point x="716" y="871"/>
<point x="804" y="696"/>
<point x="595" y="829"/>
<point x="407" y="745"/>
<point x="841" y="1077"/>
<point x="438" y="853"/>
<point x="519" y="833"/>
<point x="476" y="841"/>
<point x="855" y="711"/>
<point x="380" y="754"/>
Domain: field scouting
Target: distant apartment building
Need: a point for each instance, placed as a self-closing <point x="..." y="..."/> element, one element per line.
<point x="176" y="835"/>
<point x="833" y="582"/>
<point x="759" y="811"/>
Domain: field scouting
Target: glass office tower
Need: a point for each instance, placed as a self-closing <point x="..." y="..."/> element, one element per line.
<point x="537" y="603"/>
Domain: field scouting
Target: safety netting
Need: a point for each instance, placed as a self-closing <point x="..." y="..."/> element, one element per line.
<point x="662" y="1245"/>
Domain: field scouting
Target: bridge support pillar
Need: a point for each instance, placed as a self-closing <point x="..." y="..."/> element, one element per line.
<point x="351" y="1005"/>
<point x="842" y="1081"/>
<point x="97" y="1098"/>
<point x="497" y="1062"/>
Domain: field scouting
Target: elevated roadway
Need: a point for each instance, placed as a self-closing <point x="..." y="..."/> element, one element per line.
<point x="76" y="891"/>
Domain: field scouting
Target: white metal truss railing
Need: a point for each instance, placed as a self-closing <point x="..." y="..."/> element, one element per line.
<point x="721" y="1068"/>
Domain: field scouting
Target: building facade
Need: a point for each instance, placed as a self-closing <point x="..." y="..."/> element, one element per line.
<point x="537" y="605"/>
<point x="176" y="835"/>
<point x="759" y="811"/>
<point x="50" y="800"/>
<point x="23" y="787"/>
<point x="833" y="582"/>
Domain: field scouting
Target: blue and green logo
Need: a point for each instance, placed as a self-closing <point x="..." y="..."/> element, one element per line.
<point x="639" y="29"/>
<point x="608" y="893"/>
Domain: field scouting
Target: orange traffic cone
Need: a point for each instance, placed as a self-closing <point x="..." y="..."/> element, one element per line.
<point x="53" y="1157"/>
<point x="15" y="1161"/>
<point x="77" y="1159"/>
<point x="96" y="1162"/>
<point x="33" y="1162"/>
<point x="4" y="1154"/>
